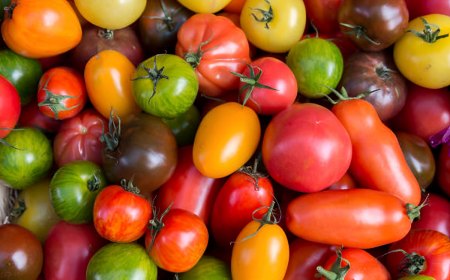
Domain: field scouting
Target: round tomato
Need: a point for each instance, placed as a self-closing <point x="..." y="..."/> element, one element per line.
<point x="423" y="53"/>
<point x="226" y="139"/>
<point x="435" y="214"/>
<point x="107" y="14"/>
<point x="31" y="116"/>
<point x="208" y="267"/>
<point x="109" y="86"/>
<point x="204" y="6"/>
<point x="322" y="14"/>
<point x="443" y="169"/>
<point x="273" y="25"/>
<point x="9" y="106"/>
<point x="41" y="28"/>
<point x="185" y="125"/>
<point x="61" y="93"/>
<point x="418" y="8"/>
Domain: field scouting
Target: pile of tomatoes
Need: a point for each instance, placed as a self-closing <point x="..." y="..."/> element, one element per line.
<point x="226" y="139"/>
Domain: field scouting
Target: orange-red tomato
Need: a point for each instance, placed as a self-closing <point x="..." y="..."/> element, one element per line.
<point x="40" y="28"/>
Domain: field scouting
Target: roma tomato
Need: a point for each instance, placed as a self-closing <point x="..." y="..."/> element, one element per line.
<point x="214" y="46"/>
<point x="226" y="139"/>
<point x="423" y="54"/>
<point x="61" y="93"/>
<point x="321" y="144"/>
<point x="335" y="217"/>
<point x="38" y="29"/>
<point x="177" y="240"/>
<point x="108" y="81"/>
<point x="202" y="6"/>
<point x="113" y="15"/>
<point x="273" y="25"/>
<point x="9" y="106"/>
<point x="120" y="214"/>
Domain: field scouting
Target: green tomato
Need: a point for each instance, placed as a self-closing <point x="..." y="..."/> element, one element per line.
<point x="417" y="277"/>
<point x="127" y="261"/>
<point x="26" y="158"/>
<point x="317" y="65"/>
<point x="165" y="85"/>
<point x="73" y="189"/>
<point x="184" y="126"/>
<point x="208" y="268"/>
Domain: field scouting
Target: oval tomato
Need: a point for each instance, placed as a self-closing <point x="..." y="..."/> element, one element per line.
<point x="226" y="138"/>
<point x="204" y="6"/>
<point x="9" y="106"/>
<point x="41" y="28"/>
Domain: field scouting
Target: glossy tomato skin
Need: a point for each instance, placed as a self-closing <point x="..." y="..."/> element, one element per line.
<point x="68" y="249"/>
<point x="214" y="46"/>
<point x="435" y="214"/>
<point x="27" y="31"/>
<point x="377" y="159"/>
<point x="10" y="107"/>
<point x="184" y="126"/>
<point x="208" y="6"/>
<point x="432" y="245"/>
<point x="443" y="169"/>
<point x="180" y="243"/>
<point x="31" y="116"/>
<point x="334" y="217"/>
<point x="208" y="267"/>
<point x="323" y="15"/>
<point x="418" y="8"/>
<point x="121" y="215"/>
<point x="21" y="253"/>
<point x="310" y="130"/>
<point x="219" y="149"/>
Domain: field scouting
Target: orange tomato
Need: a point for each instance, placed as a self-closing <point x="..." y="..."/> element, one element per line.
<point x="40" y="28"/>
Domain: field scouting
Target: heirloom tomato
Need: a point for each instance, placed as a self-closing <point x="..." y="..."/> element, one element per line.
<point x="108" y="81"/>
<point x="204" y="6"/>
<point x="435" y="214"/>
<point x="423" y="53"/>
<point x="273" y="25"/>
<point x="31" y="116"/>
<point x="9" y="106"/>
<point x="443" y="169"/>
<point x="227" y="137"/>
<point x="214" y="46"/>
<point x="322" y="14"/>
<point x="207" y="268"/>
<point x="184" y="126"/>
<point x="418" y="8"/>
<point x="40" y="28"/>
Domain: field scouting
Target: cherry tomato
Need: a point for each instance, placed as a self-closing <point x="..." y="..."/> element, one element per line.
<point x="9" y="106"/>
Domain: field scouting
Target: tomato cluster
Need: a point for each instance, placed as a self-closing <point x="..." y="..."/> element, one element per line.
<point x="227" y="139"/>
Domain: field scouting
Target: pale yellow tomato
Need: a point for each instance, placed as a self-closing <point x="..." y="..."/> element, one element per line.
<point x="204" y="6"/>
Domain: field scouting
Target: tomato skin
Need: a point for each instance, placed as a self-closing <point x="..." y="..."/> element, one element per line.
<point x="443" y="169"/>
<point x="322" y="15"/>
<point x="121" y="215"/>
<point x="202" y="6"/>
<point x="226" y="138"/>
<point x="214" y="46"/>
<point x="435" y="214"/>
<point x="418" y="8"/>
<point x="31" y="116"/>
<point x="9" y="106"/>
<point x="334" y="217"/>
<point x="377" y="160"/>
<point x="28" y="32"/>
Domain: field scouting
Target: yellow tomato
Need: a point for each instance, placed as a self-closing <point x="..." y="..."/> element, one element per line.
<point x="425" y="61"/>
<point x="202" y="6"/>
<point x="226" y="139"/>
<point x="108" y="83"/>
<point x="273" y="25"/>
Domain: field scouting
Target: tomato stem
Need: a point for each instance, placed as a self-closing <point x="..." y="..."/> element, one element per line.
<point x="411" y="264"/>
<point x="359" y="31"/>
<point x="111" y="138"/>
<point x="18" y="210"/>
<point x="266" y="16"/>
<point x="129" y="186"/>
<point x="194" y="58"/>
<point x="343" y="95"/>
<point x="167" y="19"/>
<point x="9" y="9"/>
<point x="153" y="74"/>
<point x="156" y="224"/>
<point x="252" y="171"/>
<point x="336" y="272"/>
<point x="55" y="102"/>
<point x="94" y="183"/>
<point x="106" y="34"/>
<point x="428" y="34"/>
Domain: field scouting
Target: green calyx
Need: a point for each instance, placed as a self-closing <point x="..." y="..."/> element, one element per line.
<point x="359" y="31"/>
<point x="336" y="272"/>
<point x="430" y="32"/>
<point x="112" y="137"/>
<point x="264" y="16"/>
<point x="155" y="74"/>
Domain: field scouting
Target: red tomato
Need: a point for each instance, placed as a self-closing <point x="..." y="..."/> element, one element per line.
<point x="120" y="214"/>
<point x="242" y="198"/>
<point x="346" y="182"/>
<point x="267" y="85"/>
<point x="435" y="214"/>
<point x="9" y="106"/>
<point x="78" y="138"/>
<point x="322" y="14"/>
<point x="418" y="8"/>
<point x="424" y="252"/>
<point x="61" y="93"/>
<point x="188" y="189"/>
<point x="177" y="240"/>
<point x="443" y="169"/>
<point x="214" y="46"/>
<point x="31" y="116"/>
<point x="321" y="144"/>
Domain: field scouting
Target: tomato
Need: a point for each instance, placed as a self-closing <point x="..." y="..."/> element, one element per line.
<point x="358" y="218"/>
<point x="373" y="25"/>
<point x="165" y="85"/>
<point x="185" y="125"/>
<point x="273" y="25"/>
<point x="214" y="46"/>
<point x="418" y="8"/>
<point x="108" y="81"/>
<point x="68" y="249"/>
<point x="10" y="107"/>
<point x="26" y="159"/>
<point x="31" y="116"/>
<point x="177" y="240"/>
<point x="73" y="189"/>
<point x="267" y="86"/>
<point x="420" y="252"/>
<point x="121" y="214"/>
<point x="423" y="54"/>
<point x="245" y="195"/>
<point x="78" y="138"/>
<point x="188" y="189"/>
<point x="226" y="139"/>
<point x="417" y="277"/>
<point x="435" y="214"/>
<point x="261" y="250"/>
<point x="21" y="253"/>
<point x="61" y="93"/>
<point x="443" y="169"/>
<point x="208" y="267"/>
<point x="321" y="144"/>
<point x="235" y="6"/>
<point x="111" y="14"/>
<point x="202" y="6"/>
<point x="38" y="29"/>
<point x="317" y="65"/>
<point x="346" y="182"/>
<point x="353" y="263"/>
<point x="377" y="159"/>
<point x="33" y="210"/>
<point x="322" y="15"/>
<point x="121" y="261"/>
